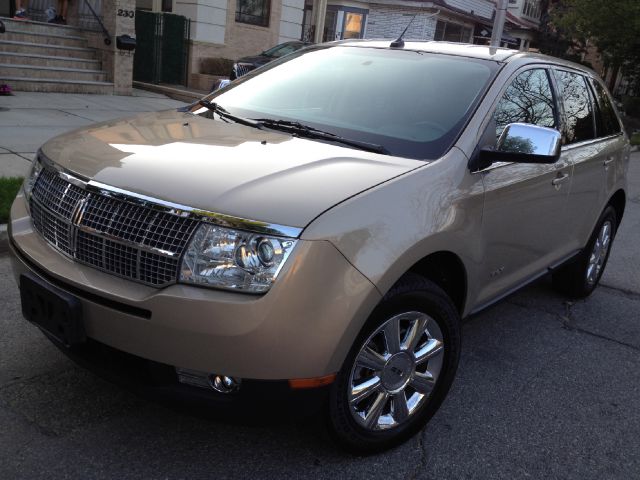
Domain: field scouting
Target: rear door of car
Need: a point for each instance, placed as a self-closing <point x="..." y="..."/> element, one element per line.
<point x="593" y="145"/>
<point x="525" y="216"/>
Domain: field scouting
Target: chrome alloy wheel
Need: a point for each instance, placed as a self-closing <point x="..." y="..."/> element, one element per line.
<point x="599" y="252"/>
<point x="396" y="370"/>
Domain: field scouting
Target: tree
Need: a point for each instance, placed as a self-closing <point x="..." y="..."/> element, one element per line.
<point x="554" y="39"/>
<point x="612" y="26"/>
<point x="518" y="145"/>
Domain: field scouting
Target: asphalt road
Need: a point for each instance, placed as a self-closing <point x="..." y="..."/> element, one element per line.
<point x="545" y="389"/>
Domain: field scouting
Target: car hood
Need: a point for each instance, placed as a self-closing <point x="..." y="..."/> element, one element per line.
<point x="222" y="167"/>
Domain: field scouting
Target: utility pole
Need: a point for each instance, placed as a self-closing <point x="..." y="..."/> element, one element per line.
<point x="498" y="23"/>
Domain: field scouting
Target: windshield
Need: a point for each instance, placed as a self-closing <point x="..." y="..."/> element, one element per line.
<point x="414" y="104"/>
<point x="282" y="49"/>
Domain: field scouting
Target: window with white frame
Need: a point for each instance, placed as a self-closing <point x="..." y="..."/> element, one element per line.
<point x="531" y="9"/>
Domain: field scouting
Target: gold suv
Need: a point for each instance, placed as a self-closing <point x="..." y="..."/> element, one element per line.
<point x="321" y="225"/>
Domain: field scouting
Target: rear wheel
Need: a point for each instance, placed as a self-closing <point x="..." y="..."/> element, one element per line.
<point x="399" y="369"/>
<point x="581" y="276"/>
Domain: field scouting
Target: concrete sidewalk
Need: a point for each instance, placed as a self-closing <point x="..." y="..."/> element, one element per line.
<point x="28" y="119"/>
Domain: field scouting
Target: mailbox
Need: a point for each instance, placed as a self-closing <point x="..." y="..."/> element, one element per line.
<point x="125" y="42"/>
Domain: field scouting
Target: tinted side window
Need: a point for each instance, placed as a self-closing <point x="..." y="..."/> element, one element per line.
<point x="607" y="120"/>
<point x="527" y="100"/>
<point x="577" y="107"/>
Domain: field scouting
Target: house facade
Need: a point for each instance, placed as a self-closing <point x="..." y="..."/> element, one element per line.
<point x="523" y="17"/>
<point x="448" y="20"/>
<point x="233" y="28"/>
<point x="229" y="29"/>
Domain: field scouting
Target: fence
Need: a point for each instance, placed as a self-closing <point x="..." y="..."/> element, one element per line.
<point x="162" y="48"/>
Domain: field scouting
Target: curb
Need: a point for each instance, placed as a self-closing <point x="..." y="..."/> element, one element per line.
<point x="176" y="93"/>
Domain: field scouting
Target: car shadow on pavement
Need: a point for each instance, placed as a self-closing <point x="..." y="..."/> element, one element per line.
<point x="525" y="389"/>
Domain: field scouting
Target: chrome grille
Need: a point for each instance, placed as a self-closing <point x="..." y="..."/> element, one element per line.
<point x="243" y="69"/>
<point x="53" y="229"/>
<point x="112" y="234"/>
<point x="57" y="194"/>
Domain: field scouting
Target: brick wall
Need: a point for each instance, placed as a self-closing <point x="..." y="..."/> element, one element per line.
<point x="388" y="22"/>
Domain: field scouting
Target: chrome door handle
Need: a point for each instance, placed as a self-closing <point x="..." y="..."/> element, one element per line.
<point x="608" y="161"/>
<point x="562" y="177"/>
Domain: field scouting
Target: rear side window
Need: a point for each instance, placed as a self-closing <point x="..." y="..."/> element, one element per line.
<point x="578" y="113"/>
<point x="606" y="118"/>
<point x="527" y="100"/>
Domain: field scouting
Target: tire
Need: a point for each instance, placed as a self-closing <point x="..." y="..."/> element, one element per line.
<point x="428" y="343"/>
<point x="581" y="276"/>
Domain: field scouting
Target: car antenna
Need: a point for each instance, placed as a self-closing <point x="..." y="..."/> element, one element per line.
<point x="399" y="42"/>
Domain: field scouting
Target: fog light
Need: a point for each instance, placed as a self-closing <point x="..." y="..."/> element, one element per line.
<point x="224" y="384"/>
<point x="219" y="383"/>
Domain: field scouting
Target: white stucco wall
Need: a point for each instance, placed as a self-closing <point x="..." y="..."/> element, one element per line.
<point x="208" y="18"/>
<point x="291" y="20"/>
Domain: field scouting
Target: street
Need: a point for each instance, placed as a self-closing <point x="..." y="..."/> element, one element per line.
<point x="545" y="389"/>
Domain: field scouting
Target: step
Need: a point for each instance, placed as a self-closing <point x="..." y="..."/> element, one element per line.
<point x="21" y="84"/>
<point x="45" y="39"/>
<point x="57" y="73"/>
<point x="31" y="26"/>
<point x="48" y="61"/>
<point x="53" y="50"/>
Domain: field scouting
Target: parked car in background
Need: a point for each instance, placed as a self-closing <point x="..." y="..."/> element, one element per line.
<point x="245" y="64"/>
<point x="320" y="228"/>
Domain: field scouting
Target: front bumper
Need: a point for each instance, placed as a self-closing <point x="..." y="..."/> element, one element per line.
<point x="302" y="328"/>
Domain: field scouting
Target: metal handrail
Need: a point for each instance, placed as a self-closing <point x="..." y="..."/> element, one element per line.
<point x="107" y="37"/>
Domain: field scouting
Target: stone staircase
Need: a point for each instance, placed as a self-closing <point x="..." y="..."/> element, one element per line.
<point x="43" y="57"/>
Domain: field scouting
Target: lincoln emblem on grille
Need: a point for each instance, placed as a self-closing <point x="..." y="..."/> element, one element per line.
<point x="76" y="219"/>
<point x="78" y="211"/>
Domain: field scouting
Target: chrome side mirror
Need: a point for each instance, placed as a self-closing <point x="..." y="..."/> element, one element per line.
<point x="530" y="140"/>
<point x="523" y="143"/>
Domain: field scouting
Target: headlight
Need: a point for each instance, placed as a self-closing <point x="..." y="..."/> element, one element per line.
<point x="30" y="181"/>
<point x="235" y="260"/>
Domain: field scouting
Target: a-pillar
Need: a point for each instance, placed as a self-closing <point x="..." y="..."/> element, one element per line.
<point x="119" y="19"/>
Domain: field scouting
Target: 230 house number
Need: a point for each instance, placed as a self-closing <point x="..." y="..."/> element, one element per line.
<point x="126" y="13"/>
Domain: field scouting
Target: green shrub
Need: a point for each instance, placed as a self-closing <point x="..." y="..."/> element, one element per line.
<point x="9" y="187"/>
<point x="216" y="66"/>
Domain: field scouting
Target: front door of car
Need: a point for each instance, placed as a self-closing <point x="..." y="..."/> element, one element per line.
<point x="525" y="214"/>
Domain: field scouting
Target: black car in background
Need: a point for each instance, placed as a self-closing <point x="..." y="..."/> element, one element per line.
<point x="246" y="64"/>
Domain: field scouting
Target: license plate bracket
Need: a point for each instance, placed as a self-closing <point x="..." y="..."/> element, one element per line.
<point x="56" y="312"/>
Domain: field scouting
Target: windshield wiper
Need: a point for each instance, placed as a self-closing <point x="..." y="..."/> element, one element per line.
<point x="302" y="130"/>
<point x="222" y="112"/>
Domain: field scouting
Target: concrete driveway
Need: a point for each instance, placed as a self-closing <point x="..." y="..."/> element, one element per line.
<point x="28" y="119"/>
<point x="545" y="389"/>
